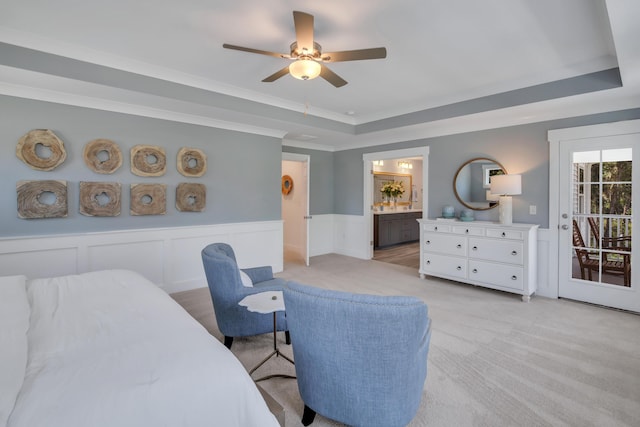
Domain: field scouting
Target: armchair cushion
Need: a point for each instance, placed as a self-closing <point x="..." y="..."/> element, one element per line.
<point x="246" y="280"/>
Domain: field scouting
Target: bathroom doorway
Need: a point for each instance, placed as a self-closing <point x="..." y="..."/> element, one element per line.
<point x="381" y="215"/>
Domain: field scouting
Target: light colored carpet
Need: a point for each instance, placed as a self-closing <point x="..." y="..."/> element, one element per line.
<point x="493" y="360"/>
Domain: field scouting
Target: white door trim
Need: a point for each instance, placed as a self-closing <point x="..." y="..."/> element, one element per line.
<point x="555" y="137"/>
<point x="368" y="158"/>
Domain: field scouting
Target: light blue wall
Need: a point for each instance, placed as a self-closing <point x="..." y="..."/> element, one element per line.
<point x="242" y="179"/>
<point x="520" y="149"/>
<point x="336" y="178"/>
<point x="321" y="180"/>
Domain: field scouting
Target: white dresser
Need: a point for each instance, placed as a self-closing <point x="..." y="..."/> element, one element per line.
<point x="481" y="253"/>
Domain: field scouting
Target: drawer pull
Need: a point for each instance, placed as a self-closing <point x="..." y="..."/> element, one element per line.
<point x="514" y="253"/>
<point x="514" y="277"/>
<point x="459" y="246"/>
<point x="475" y="270"/>
<point x="428" y="242"/>
<point x="504" y="234"/>
<point x="435" y="228"/>
<point x="466" y="231"/>
<point x="428" y="262"/>
<point x="475" y="248"/>
<point x="459" y="268"/>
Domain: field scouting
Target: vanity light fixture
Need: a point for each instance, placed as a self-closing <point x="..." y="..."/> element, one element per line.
<point x="405" y="165"/>
<point x="506" y="186"/>
<point x="378" y="163"/>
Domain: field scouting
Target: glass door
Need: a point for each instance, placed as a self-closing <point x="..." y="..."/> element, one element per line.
<point x="596" y="238"/>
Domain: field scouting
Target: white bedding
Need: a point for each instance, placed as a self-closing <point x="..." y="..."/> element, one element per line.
<point x="111" y="349"/>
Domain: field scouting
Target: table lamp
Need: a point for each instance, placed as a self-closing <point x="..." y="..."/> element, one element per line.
<point x="506" y="186"/>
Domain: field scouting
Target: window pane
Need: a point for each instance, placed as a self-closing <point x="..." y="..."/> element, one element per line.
<point x="616" y="199"/>
<point x="586" y="157"/>
<point x="617" y="155"/>
<point x="594" y="201"/>
<point x="616" y="172"/>
<point x="579" y="199"/>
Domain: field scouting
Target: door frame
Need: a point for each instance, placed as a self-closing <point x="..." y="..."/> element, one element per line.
<point x="368" y="158"/>
<point x="555" y="137"/>
<point x="306" y="159"/>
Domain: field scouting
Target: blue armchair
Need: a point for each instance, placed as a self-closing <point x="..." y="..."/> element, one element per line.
<point x="226" y="288"/>
<point x="360" y="359"/>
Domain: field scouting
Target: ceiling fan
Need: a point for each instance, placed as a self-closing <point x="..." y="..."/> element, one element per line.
<point x="307" y="55"/>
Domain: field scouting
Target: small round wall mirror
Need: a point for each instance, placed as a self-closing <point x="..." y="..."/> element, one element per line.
<point x="472" y="180"/>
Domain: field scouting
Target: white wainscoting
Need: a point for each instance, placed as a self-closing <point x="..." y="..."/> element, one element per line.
<point x="546" y="288"/>
<point x="169" y="257"/>
<point x="340" y="234"/>
<point x="321" y="234"/>
<point x="351" y="236"/>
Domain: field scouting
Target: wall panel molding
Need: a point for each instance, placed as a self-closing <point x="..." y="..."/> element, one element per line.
<point x="169" y="257"/>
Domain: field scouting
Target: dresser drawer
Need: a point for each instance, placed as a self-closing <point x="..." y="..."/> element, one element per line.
<point x="445" y="243"/>
<point x="509" y="251"/>
<point x="505" y="233"/>
<point x="507" y="276"/>
<point x="443" y="228"/>
<point x="468" y="230"/>
<point x="440" y="265"/>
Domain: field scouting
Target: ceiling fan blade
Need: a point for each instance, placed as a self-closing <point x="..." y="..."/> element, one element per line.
<point x="331" y="77"/>
<point x="275" y="76"/>
<point x="355" y="55"/>
<point x="250" y="50"/>
<point x="304" y="31"/>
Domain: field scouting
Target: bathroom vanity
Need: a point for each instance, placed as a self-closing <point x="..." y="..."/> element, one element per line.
<point x="392" y="227"/>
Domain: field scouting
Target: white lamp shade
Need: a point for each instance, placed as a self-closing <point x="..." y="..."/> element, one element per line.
<point x="304" y="69"/>
<point x="506" y="185"/>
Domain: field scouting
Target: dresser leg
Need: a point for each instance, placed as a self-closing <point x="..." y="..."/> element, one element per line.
<point x="526" y="298"/>
<point x="422" y="275"/>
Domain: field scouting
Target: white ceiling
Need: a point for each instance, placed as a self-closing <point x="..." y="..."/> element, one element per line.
<point x="439" y="53"/>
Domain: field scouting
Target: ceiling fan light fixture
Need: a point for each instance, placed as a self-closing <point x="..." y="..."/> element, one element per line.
<point x="305" y="69"/>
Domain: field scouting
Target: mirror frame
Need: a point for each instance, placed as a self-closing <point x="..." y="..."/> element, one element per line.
<point x="455" y="179"/>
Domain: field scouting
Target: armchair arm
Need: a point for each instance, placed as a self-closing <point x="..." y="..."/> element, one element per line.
<point x="259" y="274"/>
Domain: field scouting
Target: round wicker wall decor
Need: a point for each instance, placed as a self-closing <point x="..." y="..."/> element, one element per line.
<point x="102" y="156"/>
<point x="41" y="150"/>
<point x="287" y="184"/>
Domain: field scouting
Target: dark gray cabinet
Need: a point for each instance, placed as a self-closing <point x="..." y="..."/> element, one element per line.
<point x="394" y="228"/>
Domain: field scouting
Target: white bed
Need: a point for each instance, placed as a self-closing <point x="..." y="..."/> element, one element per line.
<point x="110" y="348"/>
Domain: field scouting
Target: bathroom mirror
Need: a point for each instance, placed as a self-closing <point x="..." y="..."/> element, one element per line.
<point x="380" y="178"/>
<point x="471" y="183"/>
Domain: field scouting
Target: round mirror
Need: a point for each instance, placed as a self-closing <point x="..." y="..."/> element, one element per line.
<point x="471" y="183"/>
